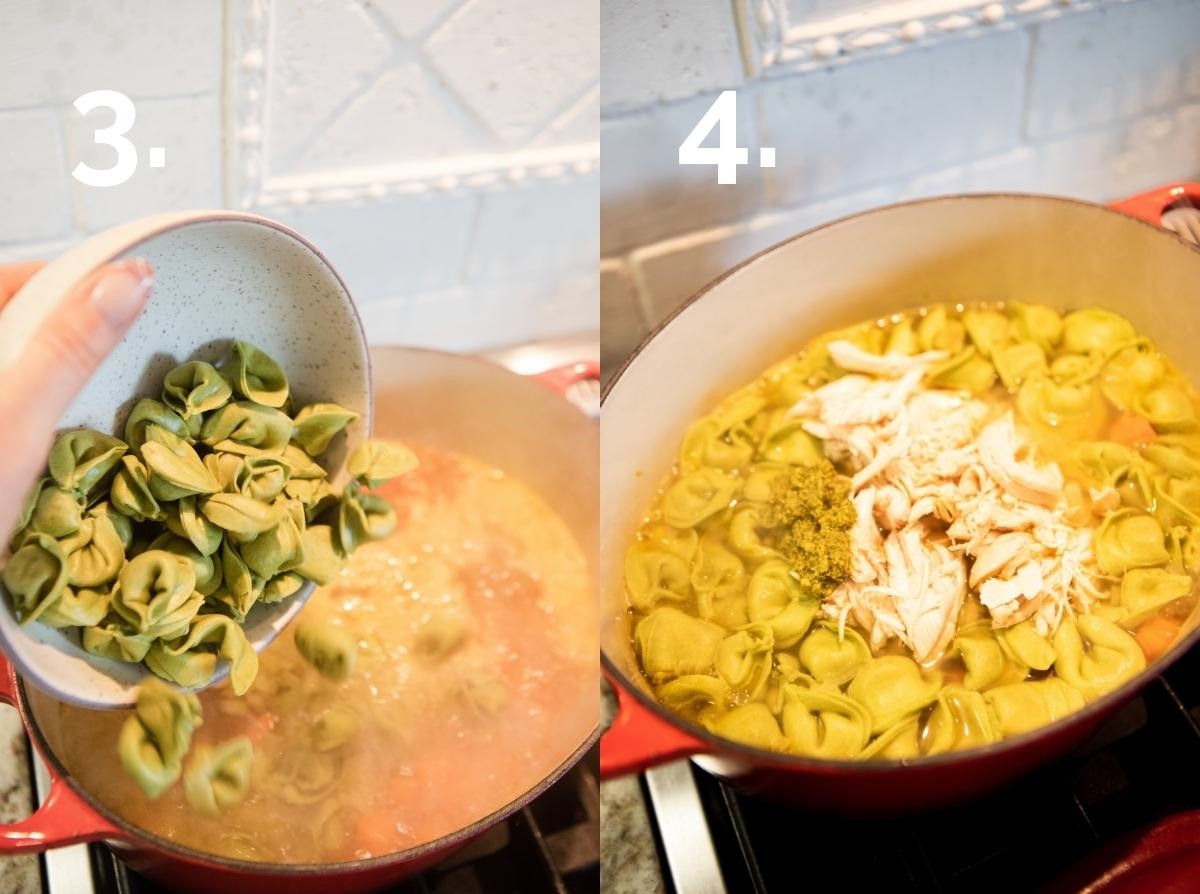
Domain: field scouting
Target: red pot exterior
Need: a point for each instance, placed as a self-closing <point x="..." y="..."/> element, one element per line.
<point x="644" y="734"/>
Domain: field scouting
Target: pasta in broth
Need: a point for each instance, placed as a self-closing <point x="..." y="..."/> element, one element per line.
<point x="472" y="677"/>
<point x="924" y="534"/>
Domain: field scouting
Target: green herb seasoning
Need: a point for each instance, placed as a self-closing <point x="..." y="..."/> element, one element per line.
<point x="811" y="507"/>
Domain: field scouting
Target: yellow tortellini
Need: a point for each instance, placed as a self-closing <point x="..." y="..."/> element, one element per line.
<point x="744" y="658"/>
<point x="1095" y="656"/>
<point x="1096" y="330"/>
<point x="831" y="658"/>
<point x="988" y="329"/>
<point x="823" y="723"/>
<point x="1020" y="707"/>
<point x="960" y="719"/>
<point x="1074" y="412"/>
<point x="652" y="576"/>
<point x="671" y="644"/>
<point x="1017" y="362"/>
<point x="1168" y="407"/>
<point x="745" y="534"/>
<point x="1145" y="590"/>
<point x="900" y="741"/>
<point x="1129" y="372"/>
<point x="693" y="692"/>
<point x="891" y="687"/>
<point x="968" y="370"/>
<point x="774" y="597"/>
<point x="1128" y="539"/>
<point x="981" y="655"/>
<point x="750" y="724"/>
<point x="719" y="581"/>
<point x="786" y="442"/>
<point x="1024" y="645"/>
<point x="1103" y="462"/>
<point x="698" y="495"/>
<point x="1036" y="323"/>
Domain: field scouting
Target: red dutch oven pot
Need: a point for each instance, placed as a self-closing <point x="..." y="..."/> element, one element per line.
<point x="992" y="247"/>
<point x="440" y="400"/>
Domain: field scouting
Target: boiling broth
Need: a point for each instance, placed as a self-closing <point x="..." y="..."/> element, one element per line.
<point x="475" y="677"/>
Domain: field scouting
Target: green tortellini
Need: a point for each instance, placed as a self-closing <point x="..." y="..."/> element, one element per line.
<point x="316" y="425"/>
<point x="1075" y="412"/>
<point x="1020" y="707"/>
<point x="831" y="658"/>
<point x="441" y="636"/>
<point x="175" y="469"/>
<point x="147" y="412"/>
<point x="262" y="477"/>
<point x="314" y="494"/>
<point x="696" y="496"/>
<point x="116" y="639"/>
<point x="240" y="514"/>
<point x="1096" y="331"/>
<point x="1103" y="462"/>
<point x="1095" y="656"/>
<point x="744" y="657"/>
<point x="329" y="649"/>
<point x="652" y="576"/>
<point x="375" y="462"/>
<point x="705" y="444"/>
<point x="774" y="597"/>
<point x="1178" y="501"/>
<point x="131" y="494"/>
<point x="207" y="568"/>
<point x="155" y="594"/>
<point x="95" y="553"/>
<point x="55" y="511"/>
<point x="1145" y="590"/>
<point x="960" y="719"/>
<point x="278" y="549"/>
<point x="1172" y="460"/>
<point x="320" y="560"/>
<point x="760" y="480"/>
<point x="891" y="687"/>
<point x="80" y="461"/>
<point x="361" y="517"/>
<point x="78" y="607"/>
<point x="219" y="778"/>
<point x="1129" y="372"/>
<point x="239" y="589"/>
<point x="1128" y="539"/>
<point x="193" y="388"/>
<point x="188" y="521"/>
<point x="36" y="576"/>
<point x="745" y="533"/>
<point x="191" y="659"/>
<point x="938" y="331"/>
<point x="750" y="724"/>
<point x="823" y="723"/>
<point x="155" y="738"/>
<point x="247" y="427"/>
<point x="485" y="694"/>
<point x="255" y="375"/>
<point x="672" y="644"/>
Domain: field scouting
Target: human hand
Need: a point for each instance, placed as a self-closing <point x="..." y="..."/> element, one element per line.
<point x="70" y="344"/>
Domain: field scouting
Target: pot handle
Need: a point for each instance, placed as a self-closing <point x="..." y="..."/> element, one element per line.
<point x="63" y="818"/>
<point x="560" y="378"/>
<point x="639" y="739"/>
<point x="1150" y="205"/>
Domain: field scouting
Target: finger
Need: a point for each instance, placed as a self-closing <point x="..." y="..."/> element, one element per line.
<point x="74" y="339"/>
<point x="13" y="276"/>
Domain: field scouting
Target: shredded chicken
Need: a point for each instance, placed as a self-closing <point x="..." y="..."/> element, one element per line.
<point x="950" y="498"/>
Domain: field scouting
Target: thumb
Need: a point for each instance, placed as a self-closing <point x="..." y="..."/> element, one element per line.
<point x="74" y="339"/>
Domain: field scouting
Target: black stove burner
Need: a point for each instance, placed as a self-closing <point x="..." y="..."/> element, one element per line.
<point x="1139" y="768"/>
<point x="550" y="847"/>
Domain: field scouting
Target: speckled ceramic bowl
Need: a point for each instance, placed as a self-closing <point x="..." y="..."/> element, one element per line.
<point x="219" y="275"/>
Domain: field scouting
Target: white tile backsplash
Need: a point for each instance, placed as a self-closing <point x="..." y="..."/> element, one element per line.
<point x="448" y="147"/>
<point x="868" y="102"/>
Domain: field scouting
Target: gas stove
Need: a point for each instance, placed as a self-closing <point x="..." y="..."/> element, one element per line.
<point x="1137" y="770"/>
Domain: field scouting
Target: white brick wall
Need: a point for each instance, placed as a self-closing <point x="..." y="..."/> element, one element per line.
<point x="868" y="103"/>
<point x="443" y="154"/>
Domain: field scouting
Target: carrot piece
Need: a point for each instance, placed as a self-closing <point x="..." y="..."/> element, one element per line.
<point x="376" y="832"/>
<point x="1156" y="635"/>
<point x="1130" y="430"/>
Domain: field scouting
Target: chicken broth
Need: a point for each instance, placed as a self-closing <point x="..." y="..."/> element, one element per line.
<point x="1016" y="532"/>
<point x="474" y="678"/>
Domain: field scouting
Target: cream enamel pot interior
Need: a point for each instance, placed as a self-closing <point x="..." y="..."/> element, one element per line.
<point x="442" y="400"/>
<point x="1044" y="249"/>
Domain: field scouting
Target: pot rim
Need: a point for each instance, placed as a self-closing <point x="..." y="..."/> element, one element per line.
<point x="142" y="837"/>
<point x="138" y="836"/>
<point x="721" y="747"/>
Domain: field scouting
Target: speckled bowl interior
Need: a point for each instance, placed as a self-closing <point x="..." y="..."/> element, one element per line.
<point x="219" y="276"/>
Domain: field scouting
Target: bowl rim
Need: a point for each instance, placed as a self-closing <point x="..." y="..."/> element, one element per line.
<point x="1092" y="712"/>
